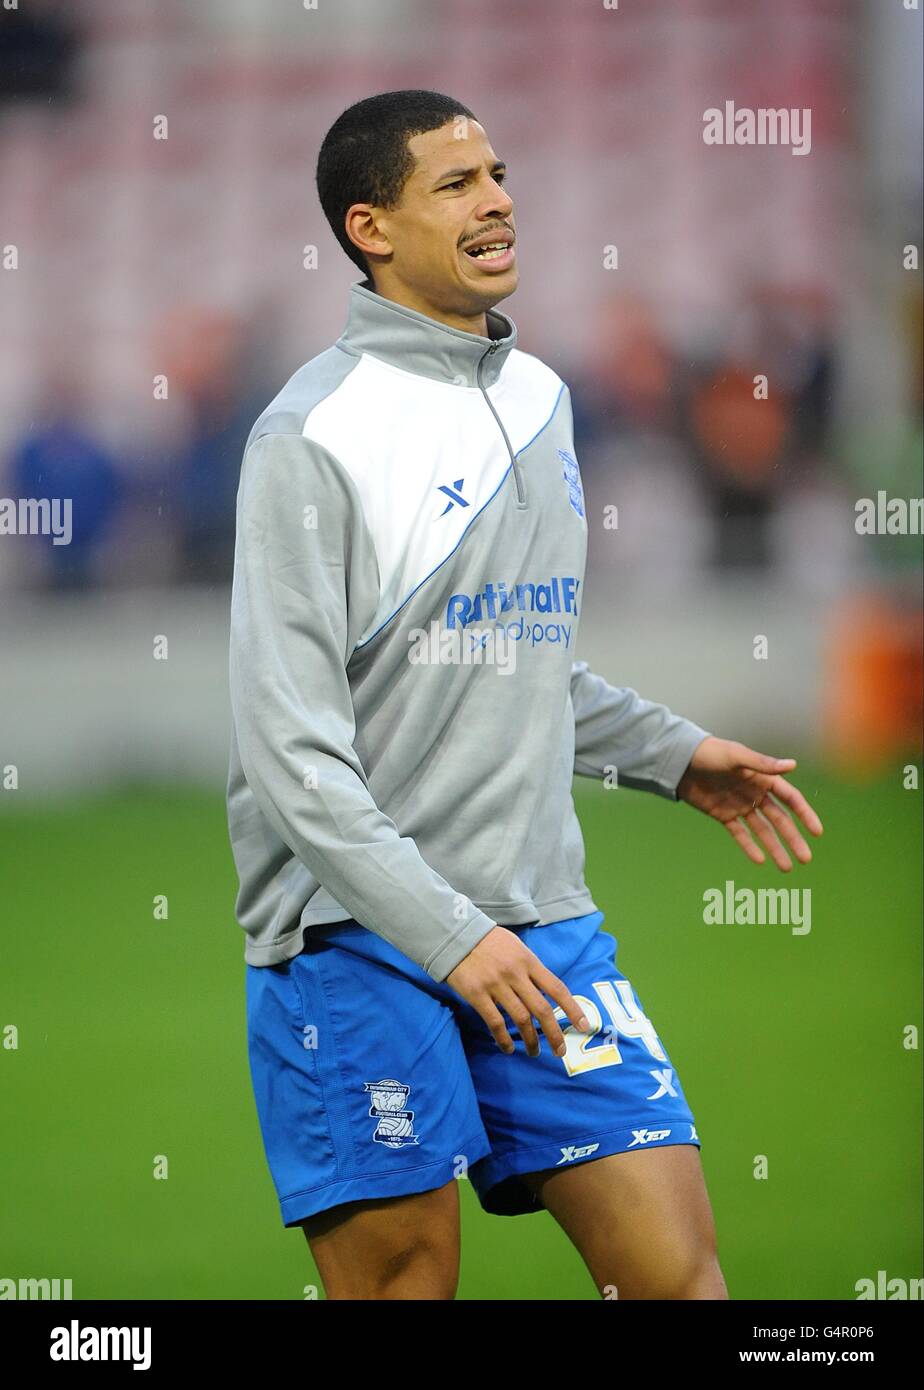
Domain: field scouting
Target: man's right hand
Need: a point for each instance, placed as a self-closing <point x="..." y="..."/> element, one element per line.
<point x="501" y="973"/>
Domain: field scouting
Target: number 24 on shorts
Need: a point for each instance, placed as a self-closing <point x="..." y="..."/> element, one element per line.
<point x="625" y="1017"/>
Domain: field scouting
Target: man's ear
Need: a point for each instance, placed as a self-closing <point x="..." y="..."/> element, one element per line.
<point x="361" y="249"/>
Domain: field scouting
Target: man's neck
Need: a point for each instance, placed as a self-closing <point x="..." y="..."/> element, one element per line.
<point x="409" y="299"/>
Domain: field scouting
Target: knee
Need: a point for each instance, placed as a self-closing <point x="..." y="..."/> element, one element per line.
<point x="697" y="1275"/>
<point x="419" y="1268"/>
<point x="693" y="1273"/>
<point x="704" y="1279"/>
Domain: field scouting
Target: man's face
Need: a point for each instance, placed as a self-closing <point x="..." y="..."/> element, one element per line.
<point x="453" y="201"/>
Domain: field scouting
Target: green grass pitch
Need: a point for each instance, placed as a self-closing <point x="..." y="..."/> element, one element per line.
<point x="132" y="1044"/>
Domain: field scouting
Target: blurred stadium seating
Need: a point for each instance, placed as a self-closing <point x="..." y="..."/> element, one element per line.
<point x="181" y="259"/>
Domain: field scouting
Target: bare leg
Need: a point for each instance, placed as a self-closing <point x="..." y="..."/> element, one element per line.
<point x="641" y="1221"/>
<point x="389" y="1248"/>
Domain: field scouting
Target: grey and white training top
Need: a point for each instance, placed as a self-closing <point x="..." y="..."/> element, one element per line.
<point x="412" y="493"/>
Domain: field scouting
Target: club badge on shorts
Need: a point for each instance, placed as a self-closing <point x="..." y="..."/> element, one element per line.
<point x="395" y="1124"/>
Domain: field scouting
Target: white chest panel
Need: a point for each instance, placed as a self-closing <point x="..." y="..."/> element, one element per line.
<point x="403" y="439"/>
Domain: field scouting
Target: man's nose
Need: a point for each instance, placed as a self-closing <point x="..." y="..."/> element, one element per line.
<point x="498" y="202"/>
<point x="499" y="208"/>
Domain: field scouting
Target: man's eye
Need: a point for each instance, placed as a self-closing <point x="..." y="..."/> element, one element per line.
<point x="460" y="183"/>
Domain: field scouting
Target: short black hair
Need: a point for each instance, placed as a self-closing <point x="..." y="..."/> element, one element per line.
<point x="364" y="156"/>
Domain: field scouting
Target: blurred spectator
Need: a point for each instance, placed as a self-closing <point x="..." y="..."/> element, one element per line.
<point x="629" y="388"/>
<point x="208" y="365"/>
<point x="60" y="458"/>
<point x="759" y="417"/>
<point x="796" y="340"/>
<point x="739" y="442"/>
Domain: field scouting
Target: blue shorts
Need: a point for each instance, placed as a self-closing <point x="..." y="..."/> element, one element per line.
<point x="371" y="1080"/>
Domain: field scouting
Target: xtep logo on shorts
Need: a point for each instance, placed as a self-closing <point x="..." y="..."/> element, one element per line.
<point x="395" y="1124"/>
<point x="496" y="599"/>
<point x="573" y="1151"/>
<point x="665" y="1080"/>
<point x="647" y="1136"/>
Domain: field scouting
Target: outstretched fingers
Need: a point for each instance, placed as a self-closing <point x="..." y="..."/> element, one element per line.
<point x="739" y="834"/>
<point x="787" y="828"/>
<point x="770" y="824"/>
<point x="765" y="832"/>
<point x="793" y="798"/>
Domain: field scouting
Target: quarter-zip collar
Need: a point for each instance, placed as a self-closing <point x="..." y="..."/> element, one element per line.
<point x="417" y="343"/>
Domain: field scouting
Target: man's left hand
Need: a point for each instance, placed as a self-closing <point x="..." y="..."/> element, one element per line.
<point x="741" y="788"/>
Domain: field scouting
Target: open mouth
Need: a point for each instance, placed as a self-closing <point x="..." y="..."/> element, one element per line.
<point x="490" y="252"/>
<point x="495" y="255"/>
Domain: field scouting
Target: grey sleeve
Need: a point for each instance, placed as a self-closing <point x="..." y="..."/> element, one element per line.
<point x="305" y="587"/>
<point x="614" y="727"/>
